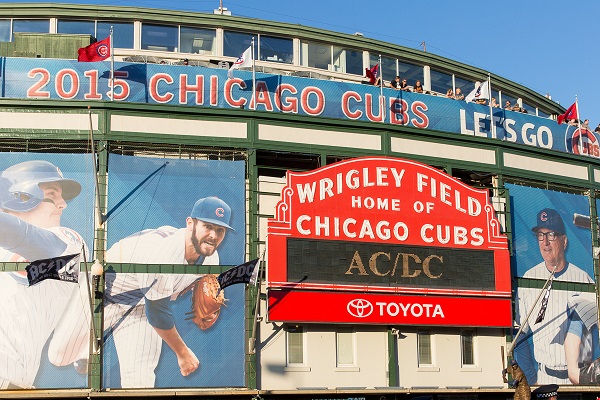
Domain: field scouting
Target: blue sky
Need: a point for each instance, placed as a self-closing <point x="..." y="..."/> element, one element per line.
<point x="549" y="46"/>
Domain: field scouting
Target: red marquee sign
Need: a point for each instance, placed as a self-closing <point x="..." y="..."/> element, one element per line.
<point x="380" y="240"/>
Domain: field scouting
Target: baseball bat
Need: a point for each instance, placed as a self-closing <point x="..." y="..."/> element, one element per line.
<point x="582" y="221"/>
<point x="502" y="356"/>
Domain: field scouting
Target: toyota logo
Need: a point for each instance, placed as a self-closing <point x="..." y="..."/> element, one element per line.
<point x="360" y="308"/>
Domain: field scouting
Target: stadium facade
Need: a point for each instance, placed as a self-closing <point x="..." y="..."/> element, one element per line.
<point x="394" y="227"/>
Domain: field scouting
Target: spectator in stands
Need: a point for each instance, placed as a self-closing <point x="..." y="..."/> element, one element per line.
<point x="597" y="130"/>
<point x="458" y="94"/>
<point x="186" y="61"/>
<point x="481" y="101"/>
<point x="495" y="103"/>
<point x="396" y="83"/>
<point x="516" y="107"/>
<point x="586" y="124"/>
<point x="404" y="86"/>
<point x="507" y="105"/>
<point x="418" y="88"/>
<point x="450" y="93"/>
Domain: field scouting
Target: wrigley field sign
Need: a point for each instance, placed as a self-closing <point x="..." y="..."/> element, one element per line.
<point x="386" y="241"/>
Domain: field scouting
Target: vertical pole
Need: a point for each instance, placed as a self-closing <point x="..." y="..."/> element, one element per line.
<point x="492" y="124"/>
<point x="112" y="66"/>
<point x="381" y="99"/>
<point x="253" y="77"/>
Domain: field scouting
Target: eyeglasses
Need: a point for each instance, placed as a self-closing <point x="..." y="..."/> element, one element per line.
<point x="550" y="235"/>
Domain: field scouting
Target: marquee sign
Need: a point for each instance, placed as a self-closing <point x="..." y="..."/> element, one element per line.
<point x="380" y="240"/>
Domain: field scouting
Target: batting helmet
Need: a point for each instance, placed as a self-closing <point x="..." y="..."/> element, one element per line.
<point x="19" y="186"/>
<point x="212" y="210"/>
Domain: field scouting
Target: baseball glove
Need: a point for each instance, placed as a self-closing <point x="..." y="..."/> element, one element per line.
<point x="590" y="374"/>
<point x="206" y="301"/>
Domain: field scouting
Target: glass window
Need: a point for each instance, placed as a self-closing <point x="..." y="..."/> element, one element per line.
<point x="345" y="337"/>
<point x="159" y="37"/>
<point x="31" y="25"/>
<point x="411" y="72"/>
<point x="122" y="33"/>
<point x="464" y="85"/>
<point x="440" y="81"/>
<point x="424" y="348"/>
<point x="530" y="109"/>
<point x="354" y="62"/>
<point x="276" y="49"/>
<point x="542" y="114"/>
<point x="235" y="43"/>
<point x="5" y="30"/>
<point x="295" y="344"/>
<point x="79" y="27"/>
<point x="467" y="348"/>
<point x="316" y="55"/>
<point x="197" y="41"/>
<point x="387" y="67"/>
<point x="511" y="101"/>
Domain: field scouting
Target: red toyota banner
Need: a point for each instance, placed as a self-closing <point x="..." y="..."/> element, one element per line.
<point x="386" y="226"/>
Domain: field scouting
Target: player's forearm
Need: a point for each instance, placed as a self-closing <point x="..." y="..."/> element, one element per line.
<point x="172" y="339"/>
<point x="572" y="343"/>
<point x="27" y="240"/>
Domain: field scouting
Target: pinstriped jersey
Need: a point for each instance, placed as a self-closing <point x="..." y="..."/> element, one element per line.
<point x="29" y="315"/>
<point x="164" y="245"/>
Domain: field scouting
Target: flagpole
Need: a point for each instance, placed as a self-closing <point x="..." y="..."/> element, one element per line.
<point x="530" y="311"/>
<point x="579" y="124"/>
<point x="112" y="66"/>
<point x="381" y="99"/>
<point x="94" y="165"/>
<point x="252" y="341"/>
<point x="492" y="124"/>
<point x="95" y="342"/>
<point x="253" y="78"/>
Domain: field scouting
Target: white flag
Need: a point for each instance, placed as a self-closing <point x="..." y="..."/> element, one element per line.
<point x="482" y="91"/>
<point x="245" y="60"/>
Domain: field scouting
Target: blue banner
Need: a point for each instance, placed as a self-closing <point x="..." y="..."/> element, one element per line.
<point x="25" y="78"/>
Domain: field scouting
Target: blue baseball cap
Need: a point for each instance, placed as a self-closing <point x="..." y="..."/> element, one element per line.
<point x="550" y="219"/>
<point x="212" y="210"/>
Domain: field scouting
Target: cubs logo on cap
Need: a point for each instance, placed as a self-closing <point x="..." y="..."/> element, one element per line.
<point x="549" y="218"/>
<point x="212" y="210"/>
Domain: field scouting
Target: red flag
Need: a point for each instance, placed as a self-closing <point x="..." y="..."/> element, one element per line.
<point x="571" y="113"/>
<point x="372" y="73"/>
<point x="95" y="52"/>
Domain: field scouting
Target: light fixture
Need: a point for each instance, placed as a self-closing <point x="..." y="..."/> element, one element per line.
<point x="97" y="271"/>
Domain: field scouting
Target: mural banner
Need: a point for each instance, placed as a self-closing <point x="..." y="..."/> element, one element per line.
<point x="46" y="212"/>
<point x="560" y="339"/>
<point x="191" y="212"/>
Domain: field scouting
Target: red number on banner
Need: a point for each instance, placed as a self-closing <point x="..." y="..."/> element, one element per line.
<point x="44" y="79"/>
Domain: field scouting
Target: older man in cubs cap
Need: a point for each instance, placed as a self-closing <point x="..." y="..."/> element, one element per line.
<point x="561" y="341"/>
<point x="549" y="392"/>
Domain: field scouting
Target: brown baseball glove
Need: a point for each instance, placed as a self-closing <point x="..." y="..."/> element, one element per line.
<point x="206" y="301"/>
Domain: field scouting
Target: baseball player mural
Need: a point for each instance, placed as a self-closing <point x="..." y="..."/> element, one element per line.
<point x="147" y="340"/>
<point x="559" y="342"/>
<point x="138" y="311"/>
<point x="33" y="197"/>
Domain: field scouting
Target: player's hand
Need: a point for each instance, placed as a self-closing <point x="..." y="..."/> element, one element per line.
<point x="188" y="362"/>
<point x="504" y="371"/>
